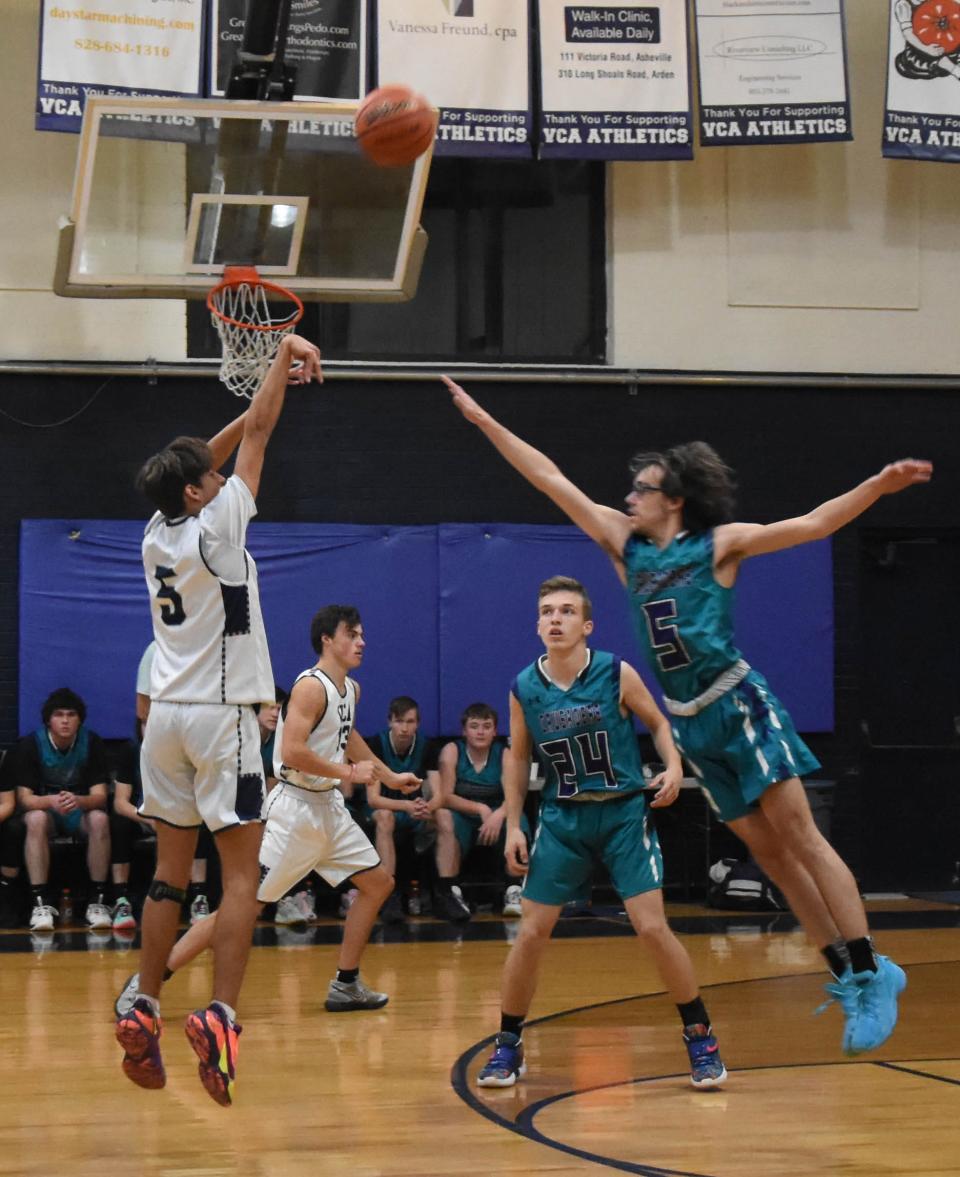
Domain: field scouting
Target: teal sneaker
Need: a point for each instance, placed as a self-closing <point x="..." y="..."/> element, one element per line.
<point x="877" y="1017"/>
<point x="505" y="1066"/>
<point x="845" y="991"/>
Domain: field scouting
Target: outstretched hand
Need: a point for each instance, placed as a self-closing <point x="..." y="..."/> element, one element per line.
<point x="907" y="472"/>
<point x="465" y="402"/>
<point x="304" y="359"/>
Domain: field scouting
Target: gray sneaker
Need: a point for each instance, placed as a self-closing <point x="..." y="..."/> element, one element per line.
<point x="343" y="996"/>
<point x="289" y="911"/>
<point x="127" y="996"/>
<point x="99" y="916"/>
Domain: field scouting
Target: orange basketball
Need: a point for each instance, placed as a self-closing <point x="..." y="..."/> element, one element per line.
<point x="394" y="125"/>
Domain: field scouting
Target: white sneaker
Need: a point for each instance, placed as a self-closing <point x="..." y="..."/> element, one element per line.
<point x="99" y="915"/>
<point x="512" y="901"/>
<point x="41" y="918"/>
<point x="199" y="909"/>
<point x="127" y="996"/>
<point x="307" y="905"/>
<point x="289" y="911"/>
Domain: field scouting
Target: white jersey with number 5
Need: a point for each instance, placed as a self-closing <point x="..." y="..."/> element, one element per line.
<point x="211" y="644"/>
<point x="328" y="739"/>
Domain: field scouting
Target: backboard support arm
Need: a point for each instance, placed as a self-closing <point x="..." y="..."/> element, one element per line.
<point x="259" y="72"/>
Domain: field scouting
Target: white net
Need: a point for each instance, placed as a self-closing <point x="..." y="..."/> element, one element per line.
<point x="247" y="351"/>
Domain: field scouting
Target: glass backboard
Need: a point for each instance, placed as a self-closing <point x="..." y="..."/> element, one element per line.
<point x="169" y="192"/>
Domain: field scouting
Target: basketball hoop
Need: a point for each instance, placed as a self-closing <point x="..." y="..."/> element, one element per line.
<point x="250" y="334"/>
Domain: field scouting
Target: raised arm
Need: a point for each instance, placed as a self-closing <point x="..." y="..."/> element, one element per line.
<point x="226" y="441"/>
<point x="297" y="362"/>
<point x="736" y="541"/>
<point x="609" y="528"/>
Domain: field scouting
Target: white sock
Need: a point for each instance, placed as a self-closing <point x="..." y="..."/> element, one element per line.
<point x="228" y="1010"/>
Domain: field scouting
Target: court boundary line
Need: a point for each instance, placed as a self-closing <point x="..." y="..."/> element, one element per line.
<point x="523" y="1124"/>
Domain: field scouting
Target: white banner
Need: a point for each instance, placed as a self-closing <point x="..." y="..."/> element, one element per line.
<point x="772" y="71"/>
<point x="114" y="47"/>
<point x="615" y="81"/>
<point x="922" y="119"/>
<point x="471" y="58"/>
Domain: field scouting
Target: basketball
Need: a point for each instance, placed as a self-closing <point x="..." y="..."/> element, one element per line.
<point x="394" y="126"/>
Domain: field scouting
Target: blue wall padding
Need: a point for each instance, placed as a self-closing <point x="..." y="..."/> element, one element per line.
<point x="449" y="612"/>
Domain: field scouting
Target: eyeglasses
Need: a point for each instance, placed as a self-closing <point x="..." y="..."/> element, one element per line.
<point x="646" y="488"/>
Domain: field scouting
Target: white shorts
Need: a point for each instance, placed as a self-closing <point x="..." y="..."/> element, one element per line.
<point x="200" y="762"/>
<point x="308" y="831"/>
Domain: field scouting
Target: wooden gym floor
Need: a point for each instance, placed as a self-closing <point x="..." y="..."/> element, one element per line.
<point x="391" y="1093"/>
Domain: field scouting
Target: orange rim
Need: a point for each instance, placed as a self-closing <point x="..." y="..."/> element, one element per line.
<point x="248" y="276"/>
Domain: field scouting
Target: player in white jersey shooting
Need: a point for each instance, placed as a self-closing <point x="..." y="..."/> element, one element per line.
<point x="308" y="826"/>
<point x="200" y="760"/>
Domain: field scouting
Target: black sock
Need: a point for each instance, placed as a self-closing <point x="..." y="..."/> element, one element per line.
<point x="444" y="885"/>
<point x="167" y="974"/>
<point x="862" y="957"/>
<point x="102" y="892"/>
<point x="348" y="976"/>
<point x="39" y="892"/>
<point x="510" y="1024"/>
<point x="836" y="956"/>
<point x="195" y="889"/>
<point x="693" y="1013"/>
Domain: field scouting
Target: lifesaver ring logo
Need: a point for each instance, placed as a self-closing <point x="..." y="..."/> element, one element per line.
<point x="937" y="22"/>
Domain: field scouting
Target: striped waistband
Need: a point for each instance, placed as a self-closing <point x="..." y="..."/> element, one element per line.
<point x="602" y="796"/>
<point x="721" y="684"/>
<point x="306" y="789"/>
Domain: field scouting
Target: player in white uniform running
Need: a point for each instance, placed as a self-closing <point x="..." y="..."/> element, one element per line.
<point x="200" y="760"/>
<point x="308" y="826"/>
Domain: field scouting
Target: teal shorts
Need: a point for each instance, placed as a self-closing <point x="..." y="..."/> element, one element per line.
<point x="405" y="824"/>
<point x="574" y="836"/>
<point x="67" y="823"/>
<point x="466" y="827"/>
<point x="740" y="745"/>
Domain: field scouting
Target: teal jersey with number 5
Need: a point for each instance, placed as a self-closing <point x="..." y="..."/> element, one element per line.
<point x="580" y="733"/>
<point x="682" y="616"/>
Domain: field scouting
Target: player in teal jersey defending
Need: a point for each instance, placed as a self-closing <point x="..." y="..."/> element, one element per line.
<point x="678" y="554"/>
<point x="576" y="706"/>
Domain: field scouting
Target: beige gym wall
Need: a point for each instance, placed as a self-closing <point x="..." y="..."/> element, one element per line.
<point x="821" y="258"/>
<point x="791" y="259"/>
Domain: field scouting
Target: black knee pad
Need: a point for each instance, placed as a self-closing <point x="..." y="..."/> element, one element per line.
<point x="160" y="890"/>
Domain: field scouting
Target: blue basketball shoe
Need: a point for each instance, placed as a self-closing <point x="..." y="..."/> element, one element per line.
<point x="845" y="991"/>
<point x="877" y="1016"/>
<point x="505" y="1066"/>
<point x="706" y="1065"/>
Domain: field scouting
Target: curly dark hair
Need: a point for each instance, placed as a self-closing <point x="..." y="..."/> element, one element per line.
<point x="696" y="473"/>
